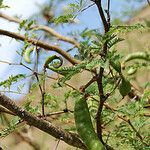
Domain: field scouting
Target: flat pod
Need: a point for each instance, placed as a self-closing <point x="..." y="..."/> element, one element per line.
<point x="125" y="87"/>
<point x="84" y="125"/>
<point x="116" y="65"/>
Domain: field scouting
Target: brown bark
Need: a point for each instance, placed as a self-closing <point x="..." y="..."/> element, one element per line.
<point x="68" y="137"/>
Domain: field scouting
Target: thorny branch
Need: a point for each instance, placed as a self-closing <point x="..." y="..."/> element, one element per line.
<point x="68" y="137"/>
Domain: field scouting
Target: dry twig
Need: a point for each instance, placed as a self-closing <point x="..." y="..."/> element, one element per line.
<point x="44" y="28"/>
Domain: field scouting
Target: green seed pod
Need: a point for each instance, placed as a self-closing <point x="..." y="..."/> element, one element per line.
<point x="116" y="65"/>
<point x="137" y="55"/>
<point x="84" y="125"/>
<point x="57" y="70"/>
<point x="27" y="54"/>
<point x="132" y="71"/>
<point x="125" y="87"/>
<point x="50" y="59"/>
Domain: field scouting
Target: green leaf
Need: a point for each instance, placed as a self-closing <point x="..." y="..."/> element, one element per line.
<point x="30" y="24"/>
<point x="63" y="19"/>
<point x="126" y="28"/>
<point x="11" y="127"/>
<point x="3" y="6"/>
<point x="22" y="24"/>
<point x="95" y="63"/>
<point x="1" y="2"/>
<point x="125" y="87"/>
<point x="11" y="80"/>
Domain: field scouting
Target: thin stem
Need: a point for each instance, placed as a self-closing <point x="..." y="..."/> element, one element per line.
<point x="82" y="88"/>
<point x="42" y="90"/>
<point x="105" y="24"/>
<point x="10" y="91"/>
<point x="42" y="93"/>
<point x="56" y="113"/>
<point x="88" y="7"/>
<point x="57" y="144"/>
<point x="108" y="13"/>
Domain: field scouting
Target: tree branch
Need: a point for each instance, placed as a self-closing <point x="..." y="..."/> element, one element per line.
<point x="44" y="28"/>
<point x="104" y="21"/>
<point x="68" y="137"/>
<point x="57" y="35"/>
<point x="9" y="18"/>
<point x="41" y="44"/>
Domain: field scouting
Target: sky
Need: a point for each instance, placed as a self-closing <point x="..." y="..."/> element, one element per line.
<point x="25" y="8"/>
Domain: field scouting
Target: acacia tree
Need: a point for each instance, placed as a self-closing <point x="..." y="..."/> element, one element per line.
<point x="96" y="109"/>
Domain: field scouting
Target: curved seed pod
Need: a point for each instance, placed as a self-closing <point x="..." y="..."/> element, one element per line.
<point x="50" y="60"/>
<point x="125" y="87"/>
<point x="132" y="71"/>
<point x="84" y="125"/>
<point x="137" y="55"/>
<point x="27" y="54"/>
